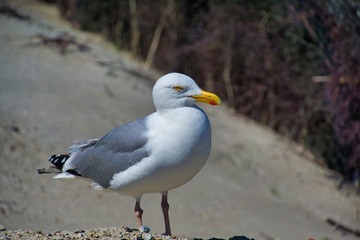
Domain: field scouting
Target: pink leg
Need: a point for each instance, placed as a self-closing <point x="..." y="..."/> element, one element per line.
<point x="165" y="210"/>
<point x="138" y="213"/>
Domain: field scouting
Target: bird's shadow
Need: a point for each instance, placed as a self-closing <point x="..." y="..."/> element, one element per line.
<point x="232" y="238"/>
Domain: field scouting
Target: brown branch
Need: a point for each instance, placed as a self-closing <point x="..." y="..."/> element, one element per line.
<point x="312" y="33"/>
<point x="135" y="33"/>
<point x="228" y="63"/>
<point x="342" y="227"/>
<point x="108" y="90"/>
<point x="157" y="34"/>
<point x="62" y="41"/>
<point x="11" y="12"/>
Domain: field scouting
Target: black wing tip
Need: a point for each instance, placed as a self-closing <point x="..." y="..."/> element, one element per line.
<point x="59" y="160"/>
<point x="74" y="172"/>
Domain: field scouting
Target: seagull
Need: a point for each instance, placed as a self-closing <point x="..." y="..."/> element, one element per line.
<point x="157" y="153"/>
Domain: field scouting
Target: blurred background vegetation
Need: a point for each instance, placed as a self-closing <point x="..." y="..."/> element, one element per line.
<point x="290" y="64"/>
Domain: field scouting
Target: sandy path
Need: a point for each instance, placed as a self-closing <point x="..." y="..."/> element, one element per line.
<point x="255" y="183"/>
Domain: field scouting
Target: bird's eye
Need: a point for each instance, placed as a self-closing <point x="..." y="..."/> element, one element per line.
<point x="178" y="89"/>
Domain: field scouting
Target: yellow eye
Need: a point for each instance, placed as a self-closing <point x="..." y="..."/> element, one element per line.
<point x="178" y="89"/>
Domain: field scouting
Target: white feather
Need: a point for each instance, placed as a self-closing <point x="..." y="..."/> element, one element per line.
<point x="96" y="186"/>
<point x="64" y="175"/>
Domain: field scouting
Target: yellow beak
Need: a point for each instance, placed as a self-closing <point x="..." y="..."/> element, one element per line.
<point x="207" y="97"/>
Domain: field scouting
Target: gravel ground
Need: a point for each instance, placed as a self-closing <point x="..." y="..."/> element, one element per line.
<point x="109" y="233"/>
<point x="101" y="233"/>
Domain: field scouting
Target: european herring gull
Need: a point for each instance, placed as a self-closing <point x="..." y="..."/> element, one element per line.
<point x="157" y="153"/>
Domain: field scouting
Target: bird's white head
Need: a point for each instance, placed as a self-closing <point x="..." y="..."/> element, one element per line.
<point x="176" y="90"/>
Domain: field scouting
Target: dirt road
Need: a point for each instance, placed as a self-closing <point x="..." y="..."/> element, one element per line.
<point x="255" y="183"/>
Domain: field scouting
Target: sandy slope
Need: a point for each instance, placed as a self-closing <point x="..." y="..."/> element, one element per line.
<point x="255" y="183"/>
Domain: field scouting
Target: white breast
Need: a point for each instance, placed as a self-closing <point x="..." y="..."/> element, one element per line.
<point x="179" y="143"/>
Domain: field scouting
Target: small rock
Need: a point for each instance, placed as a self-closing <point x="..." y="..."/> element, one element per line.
<point x="147" y="236"/>
<point x="2" y="228"/>
<point x="144" y="229"/>
<point x="127" y="229"/>
<point x="15" y="129"/>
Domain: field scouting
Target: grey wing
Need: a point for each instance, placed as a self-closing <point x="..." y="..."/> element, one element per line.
<point x="83" y="145"/>
<point x="118" y="150"/>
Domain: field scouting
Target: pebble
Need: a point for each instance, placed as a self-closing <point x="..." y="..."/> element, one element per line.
<point x="147" y="236"/>
<point x="127" y="229"/>
<point x="2" y="228"/>
<point x="144" y="229"/>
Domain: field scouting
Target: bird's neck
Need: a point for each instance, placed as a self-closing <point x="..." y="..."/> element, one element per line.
<point x="182" y="110"/>
<point x="183" y="115"/>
